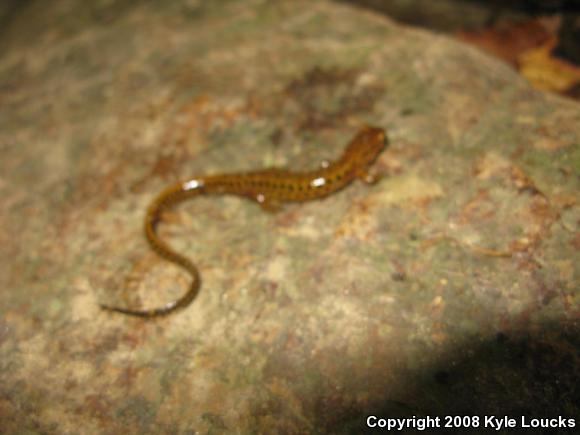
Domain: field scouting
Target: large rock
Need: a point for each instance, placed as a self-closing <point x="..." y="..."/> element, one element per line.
<point x="449" y="287"/>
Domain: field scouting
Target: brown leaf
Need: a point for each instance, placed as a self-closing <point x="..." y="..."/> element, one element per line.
<point x="508" y="42"/>
<point x="546" y="72"/>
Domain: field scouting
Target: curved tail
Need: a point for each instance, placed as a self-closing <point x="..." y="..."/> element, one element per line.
<point x="172" y="194"/>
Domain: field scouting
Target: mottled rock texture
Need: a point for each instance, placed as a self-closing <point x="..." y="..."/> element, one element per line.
<point x="449" y="287"/>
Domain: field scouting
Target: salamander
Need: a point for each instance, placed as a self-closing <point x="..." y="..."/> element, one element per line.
<point x="270" y="188"/>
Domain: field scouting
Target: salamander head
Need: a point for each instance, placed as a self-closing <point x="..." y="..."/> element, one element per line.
<point x="366" y="146"/>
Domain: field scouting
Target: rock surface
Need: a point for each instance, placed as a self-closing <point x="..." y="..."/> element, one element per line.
<point x="449" y="287"/>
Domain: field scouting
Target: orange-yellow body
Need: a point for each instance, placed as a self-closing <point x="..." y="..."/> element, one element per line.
<point x="270" y="188"/>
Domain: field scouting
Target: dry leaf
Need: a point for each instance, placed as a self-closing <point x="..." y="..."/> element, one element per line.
<point x="546" y="72"/>
<point x="509" y="42"/>
<point x="528" y="46"/>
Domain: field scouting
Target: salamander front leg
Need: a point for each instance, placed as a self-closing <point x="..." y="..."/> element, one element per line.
<point x="268" y="205"/>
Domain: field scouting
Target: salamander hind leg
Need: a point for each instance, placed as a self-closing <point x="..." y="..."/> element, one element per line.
<point x="267" y="204"/>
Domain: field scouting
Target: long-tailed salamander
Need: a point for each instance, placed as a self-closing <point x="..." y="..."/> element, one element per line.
<point x="269" y="188"/>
